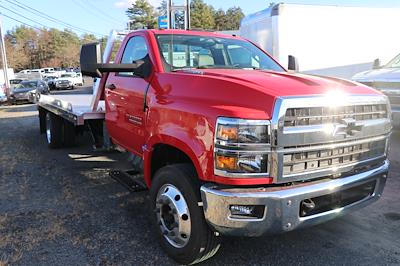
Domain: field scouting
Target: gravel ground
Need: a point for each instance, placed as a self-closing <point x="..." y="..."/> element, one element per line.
<point x="60" y="207"/>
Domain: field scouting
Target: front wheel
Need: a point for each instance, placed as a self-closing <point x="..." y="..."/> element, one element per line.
<point x="179" y="221"/>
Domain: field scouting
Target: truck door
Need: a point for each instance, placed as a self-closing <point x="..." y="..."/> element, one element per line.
<point x="125" y="94"/>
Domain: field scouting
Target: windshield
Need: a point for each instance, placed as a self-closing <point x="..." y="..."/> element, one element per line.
<point x="191" y="51"/>
<point x="15" y="81"/>
<point x="26" y="84"/>
<point x="67" y="75"/>
<point x="394" y="63"/>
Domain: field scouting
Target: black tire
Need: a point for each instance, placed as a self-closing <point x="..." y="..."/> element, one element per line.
<point x="202" y="242"/>
<point x="54" y="126"/>
<point x="69" y="134"/>
<point x="42" y="120"/>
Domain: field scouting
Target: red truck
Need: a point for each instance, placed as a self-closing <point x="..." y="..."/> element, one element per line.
<point x="230" y="142"/>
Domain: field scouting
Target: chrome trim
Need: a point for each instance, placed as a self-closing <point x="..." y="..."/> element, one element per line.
<point x="223" y="147"/>
<point x="239" y="121"/>
<point x="316" y="136"/>
<point x="334" y="145"/>
<point x="249" y="152"/>
<point x="283" y="203"/>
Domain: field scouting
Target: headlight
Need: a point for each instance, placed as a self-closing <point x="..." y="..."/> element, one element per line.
<point x="241" y="147"/>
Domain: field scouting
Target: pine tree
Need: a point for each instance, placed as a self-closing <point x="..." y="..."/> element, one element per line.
<point x="201" y="15"/>
<point x="142" y="15"/>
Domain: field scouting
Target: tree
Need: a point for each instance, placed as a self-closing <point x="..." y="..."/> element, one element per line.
<point x="201" y="15"/>
<point x="88" y="38"/>
<point x="31" y="48"/>
<point x="234" y="16"/>
<point x="220" y="19"/>
<point x="142" y="15"/>
<point x="162" y="9"/>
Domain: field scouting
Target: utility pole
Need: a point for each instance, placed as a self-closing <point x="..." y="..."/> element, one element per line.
<point x="173" y="10"/>
<point x="4" y="59"/>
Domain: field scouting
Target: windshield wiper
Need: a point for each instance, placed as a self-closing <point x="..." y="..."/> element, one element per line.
<point x="218" y="67"/>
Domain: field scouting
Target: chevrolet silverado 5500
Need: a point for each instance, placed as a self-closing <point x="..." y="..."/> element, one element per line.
<point x="230" y="143"/>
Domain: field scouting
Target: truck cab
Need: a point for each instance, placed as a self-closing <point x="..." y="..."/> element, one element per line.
<point x="230" y="142"/>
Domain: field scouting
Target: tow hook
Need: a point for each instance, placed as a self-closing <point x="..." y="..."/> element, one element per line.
<point x="307" y="205"/>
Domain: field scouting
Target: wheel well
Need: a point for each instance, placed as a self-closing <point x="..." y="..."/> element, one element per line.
<point x="164" y="155"/>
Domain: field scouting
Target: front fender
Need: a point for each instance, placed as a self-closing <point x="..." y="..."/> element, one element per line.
<point x="183" y="140"/>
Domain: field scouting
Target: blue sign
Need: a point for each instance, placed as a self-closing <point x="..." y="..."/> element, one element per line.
<point x="163" y="22"/>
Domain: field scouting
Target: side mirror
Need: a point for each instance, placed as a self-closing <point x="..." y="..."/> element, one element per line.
<point x="376" y="64"/>
<point x="90" y="61"/>
<point x="293" y="64"/>
<point x="90" y="58"/>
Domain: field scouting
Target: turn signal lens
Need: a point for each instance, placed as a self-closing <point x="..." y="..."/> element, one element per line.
<point x="241" y="163"/>
<point x="226" y="162"/>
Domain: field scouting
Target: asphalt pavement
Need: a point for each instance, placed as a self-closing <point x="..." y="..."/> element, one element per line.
<point x="60" y="207"/>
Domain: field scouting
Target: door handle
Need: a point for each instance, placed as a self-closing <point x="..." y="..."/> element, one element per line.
<point x="111" y="86"/>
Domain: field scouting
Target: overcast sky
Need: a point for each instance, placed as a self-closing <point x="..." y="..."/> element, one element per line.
<point x="100" y="16"/>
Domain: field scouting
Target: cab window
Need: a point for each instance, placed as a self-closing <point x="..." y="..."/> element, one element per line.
<point x="136" y="49"/>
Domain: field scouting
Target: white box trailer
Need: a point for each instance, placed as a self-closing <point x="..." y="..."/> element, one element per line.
<point x="327" y="40"/>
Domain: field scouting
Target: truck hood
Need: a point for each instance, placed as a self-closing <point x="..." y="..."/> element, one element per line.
<point x="383" y="74"/>
<point x="245" y="93"/>
<point x="281" y="84"/>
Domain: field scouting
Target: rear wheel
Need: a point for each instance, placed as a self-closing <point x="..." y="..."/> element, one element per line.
<point x="179" y="221"/>
<point x="54" y="130"/>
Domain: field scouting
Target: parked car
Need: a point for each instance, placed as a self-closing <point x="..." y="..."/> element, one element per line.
<point x="14" y="83"/>
<point x="25" y="71"/>
<point x="51" y="82"/>
<point x="48" y="69"/>
<point x="3" y="96"/>
<point x="52" y="74"/>
<point x="69" y="80"/>
<point x="29" y="91"/>
<point x="385" y="78"/>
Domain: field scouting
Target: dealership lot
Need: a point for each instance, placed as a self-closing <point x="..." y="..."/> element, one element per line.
<point x="61" y="207"/>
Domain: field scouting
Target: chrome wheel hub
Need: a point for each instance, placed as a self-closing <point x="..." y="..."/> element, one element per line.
<point x="48" y="132"/>
<point x="173" y="216"/>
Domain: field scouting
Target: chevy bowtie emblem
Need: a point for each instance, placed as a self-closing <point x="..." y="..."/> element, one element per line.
<point x="347" y="127"/>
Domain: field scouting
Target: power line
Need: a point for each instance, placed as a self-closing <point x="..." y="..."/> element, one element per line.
<point x="50" y="18"/>
<point x="26" y="24"/>
<point x="93" y="5"/>
<point x="89" y="10"/>
<point x="23" y="16"/>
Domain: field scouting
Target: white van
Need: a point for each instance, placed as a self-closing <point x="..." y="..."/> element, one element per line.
<point x="48" y="69"/>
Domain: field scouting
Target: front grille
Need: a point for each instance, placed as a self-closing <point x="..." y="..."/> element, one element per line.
<point x="326" y="115"/>
<point x="322" y="136"/>
<point x="325" y="157"/>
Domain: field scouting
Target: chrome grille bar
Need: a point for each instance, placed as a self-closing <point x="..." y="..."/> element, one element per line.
<point x="324" y="115"/>
<point x="327" y="157"/>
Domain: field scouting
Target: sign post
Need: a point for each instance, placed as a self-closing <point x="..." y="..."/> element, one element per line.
<point x="163" y="22"/>
<point x="178" y="16"/>
<point x="4" y="61"/>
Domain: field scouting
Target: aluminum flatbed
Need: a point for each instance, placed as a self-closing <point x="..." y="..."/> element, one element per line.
<point x="75" y="108"/>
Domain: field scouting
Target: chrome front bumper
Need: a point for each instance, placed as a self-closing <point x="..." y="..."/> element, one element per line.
<point x="282" y="204"/>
